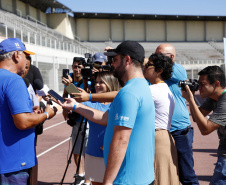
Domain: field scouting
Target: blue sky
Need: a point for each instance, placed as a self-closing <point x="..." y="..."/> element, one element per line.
<point x="157" y="7"/>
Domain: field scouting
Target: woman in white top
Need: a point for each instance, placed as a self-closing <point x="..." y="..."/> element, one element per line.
<point x="157" y="70"/>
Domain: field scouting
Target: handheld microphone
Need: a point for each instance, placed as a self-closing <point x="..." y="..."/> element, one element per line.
<point x="38" y="84"/>
<point x="43" y="91"/>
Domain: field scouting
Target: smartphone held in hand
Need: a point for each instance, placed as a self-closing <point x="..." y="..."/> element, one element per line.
<point x="56" y="95"/>
<point x="65" y="73"/>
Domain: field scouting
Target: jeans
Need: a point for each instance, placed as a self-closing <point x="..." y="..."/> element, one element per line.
<point x="184" y="139"/>
<point x="219" y="175"/>
<point x="15" y="178"/>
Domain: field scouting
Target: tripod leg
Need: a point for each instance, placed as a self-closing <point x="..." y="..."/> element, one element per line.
<point x="69" y="160"/>
<point x="80" y="152"/>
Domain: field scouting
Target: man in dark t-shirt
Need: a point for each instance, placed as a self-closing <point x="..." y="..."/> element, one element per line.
<point x="212" y="87"/>
<point x="34" y="74"/>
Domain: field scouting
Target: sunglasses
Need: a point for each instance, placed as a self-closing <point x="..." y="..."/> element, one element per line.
<point x="148" y="65"/>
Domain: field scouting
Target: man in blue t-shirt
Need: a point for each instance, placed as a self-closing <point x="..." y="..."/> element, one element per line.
<point x="17" y="137"/>
<point x="129" y="142"/>
<point x="181" y="129"/>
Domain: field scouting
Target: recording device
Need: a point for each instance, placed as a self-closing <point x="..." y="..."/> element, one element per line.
<point x="90" y="64"/>
<point x="192" y="83"/>
<point x="65" y="73"/>
<point x="72" y="89"/>
<point x="72" y="118"/>
<point x="43" y="91"/>
<point x="38" y="84"/>
<point x="56" y="96"/>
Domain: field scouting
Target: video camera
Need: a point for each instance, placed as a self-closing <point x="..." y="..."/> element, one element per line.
<point x="88" y="66"/>
<point x="192" y="83"/>
<point x="87" y="72"/>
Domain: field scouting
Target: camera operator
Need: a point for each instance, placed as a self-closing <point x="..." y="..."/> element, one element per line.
<point x="212" y="87"/>
<point x="95" y="64"/>
<point x="74" y="119"/>
<point x="99" y="59"/>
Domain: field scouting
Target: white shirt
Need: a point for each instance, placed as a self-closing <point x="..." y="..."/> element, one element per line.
<point x="164" y="105"/>
<point x="33" y="97"/>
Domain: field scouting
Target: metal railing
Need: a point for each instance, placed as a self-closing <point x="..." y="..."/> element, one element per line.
<point x="32" y="31"/>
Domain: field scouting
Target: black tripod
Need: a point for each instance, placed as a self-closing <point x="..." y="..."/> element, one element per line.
<point x="83" y="132"/>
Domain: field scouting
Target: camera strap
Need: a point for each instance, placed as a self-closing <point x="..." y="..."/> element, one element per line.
<point x="79" y="83"/>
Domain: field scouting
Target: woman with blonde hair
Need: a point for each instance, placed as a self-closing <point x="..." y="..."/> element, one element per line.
<point x="94" y="161"/>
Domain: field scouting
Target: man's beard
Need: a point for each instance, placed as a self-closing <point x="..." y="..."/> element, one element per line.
<point x="119" y="71"/>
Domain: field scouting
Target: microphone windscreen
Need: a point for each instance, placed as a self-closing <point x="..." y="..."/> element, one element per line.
<point x="26" y="82"/>
<point x="38" y="84"/>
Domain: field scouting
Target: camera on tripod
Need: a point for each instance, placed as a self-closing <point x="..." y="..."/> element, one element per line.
<point x="192" y="83"/>
<point x="72" y="118"/>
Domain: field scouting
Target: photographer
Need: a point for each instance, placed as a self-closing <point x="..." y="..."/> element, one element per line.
<point x="74" y="119"/>
<point x="212" y="87"/>
<point x="95" y="63"/>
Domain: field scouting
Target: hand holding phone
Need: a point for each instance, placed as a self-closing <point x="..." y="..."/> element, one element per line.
<point x="72" y="89"/>
<point x="56" y="96"/>
<point x="65" y="73"/>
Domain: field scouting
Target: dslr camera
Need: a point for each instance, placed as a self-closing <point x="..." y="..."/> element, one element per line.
<point x="72" y="118"/>
<point x="192" y="83"/>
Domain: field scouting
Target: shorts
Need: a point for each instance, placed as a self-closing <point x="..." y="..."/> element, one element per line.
<point x="94" y="168"/>
<point x="79" y="140"/>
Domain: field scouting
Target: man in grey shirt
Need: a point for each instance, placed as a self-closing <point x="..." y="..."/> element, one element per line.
<point x="212" y="87"/>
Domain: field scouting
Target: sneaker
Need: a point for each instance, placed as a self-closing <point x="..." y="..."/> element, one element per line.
<point x="79" y="180"/>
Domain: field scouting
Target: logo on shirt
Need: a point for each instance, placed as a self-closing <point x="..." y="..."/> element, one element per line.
<point x="121" y="118"/>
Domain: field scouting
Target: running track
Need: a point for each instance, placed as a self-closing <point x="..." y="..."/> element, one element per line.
<point x="54" y="148"/>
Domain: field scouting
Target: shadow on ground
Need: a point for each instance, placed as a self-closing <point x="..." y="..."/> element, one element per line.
<point x="205" y="150"/>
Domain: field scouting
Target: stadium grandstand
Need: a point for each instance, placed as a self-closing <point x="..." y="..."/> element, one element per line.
<point x="57" y="34"/>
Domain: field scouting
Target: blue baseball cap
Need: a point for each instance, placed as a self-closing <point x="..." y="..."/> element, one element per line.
<point x="13" y="44"/>
<point x="99" y="57"/>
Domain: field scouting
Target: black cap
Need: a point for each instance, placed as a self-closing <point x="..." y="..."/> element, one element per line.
<point x="131" y="48"/>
